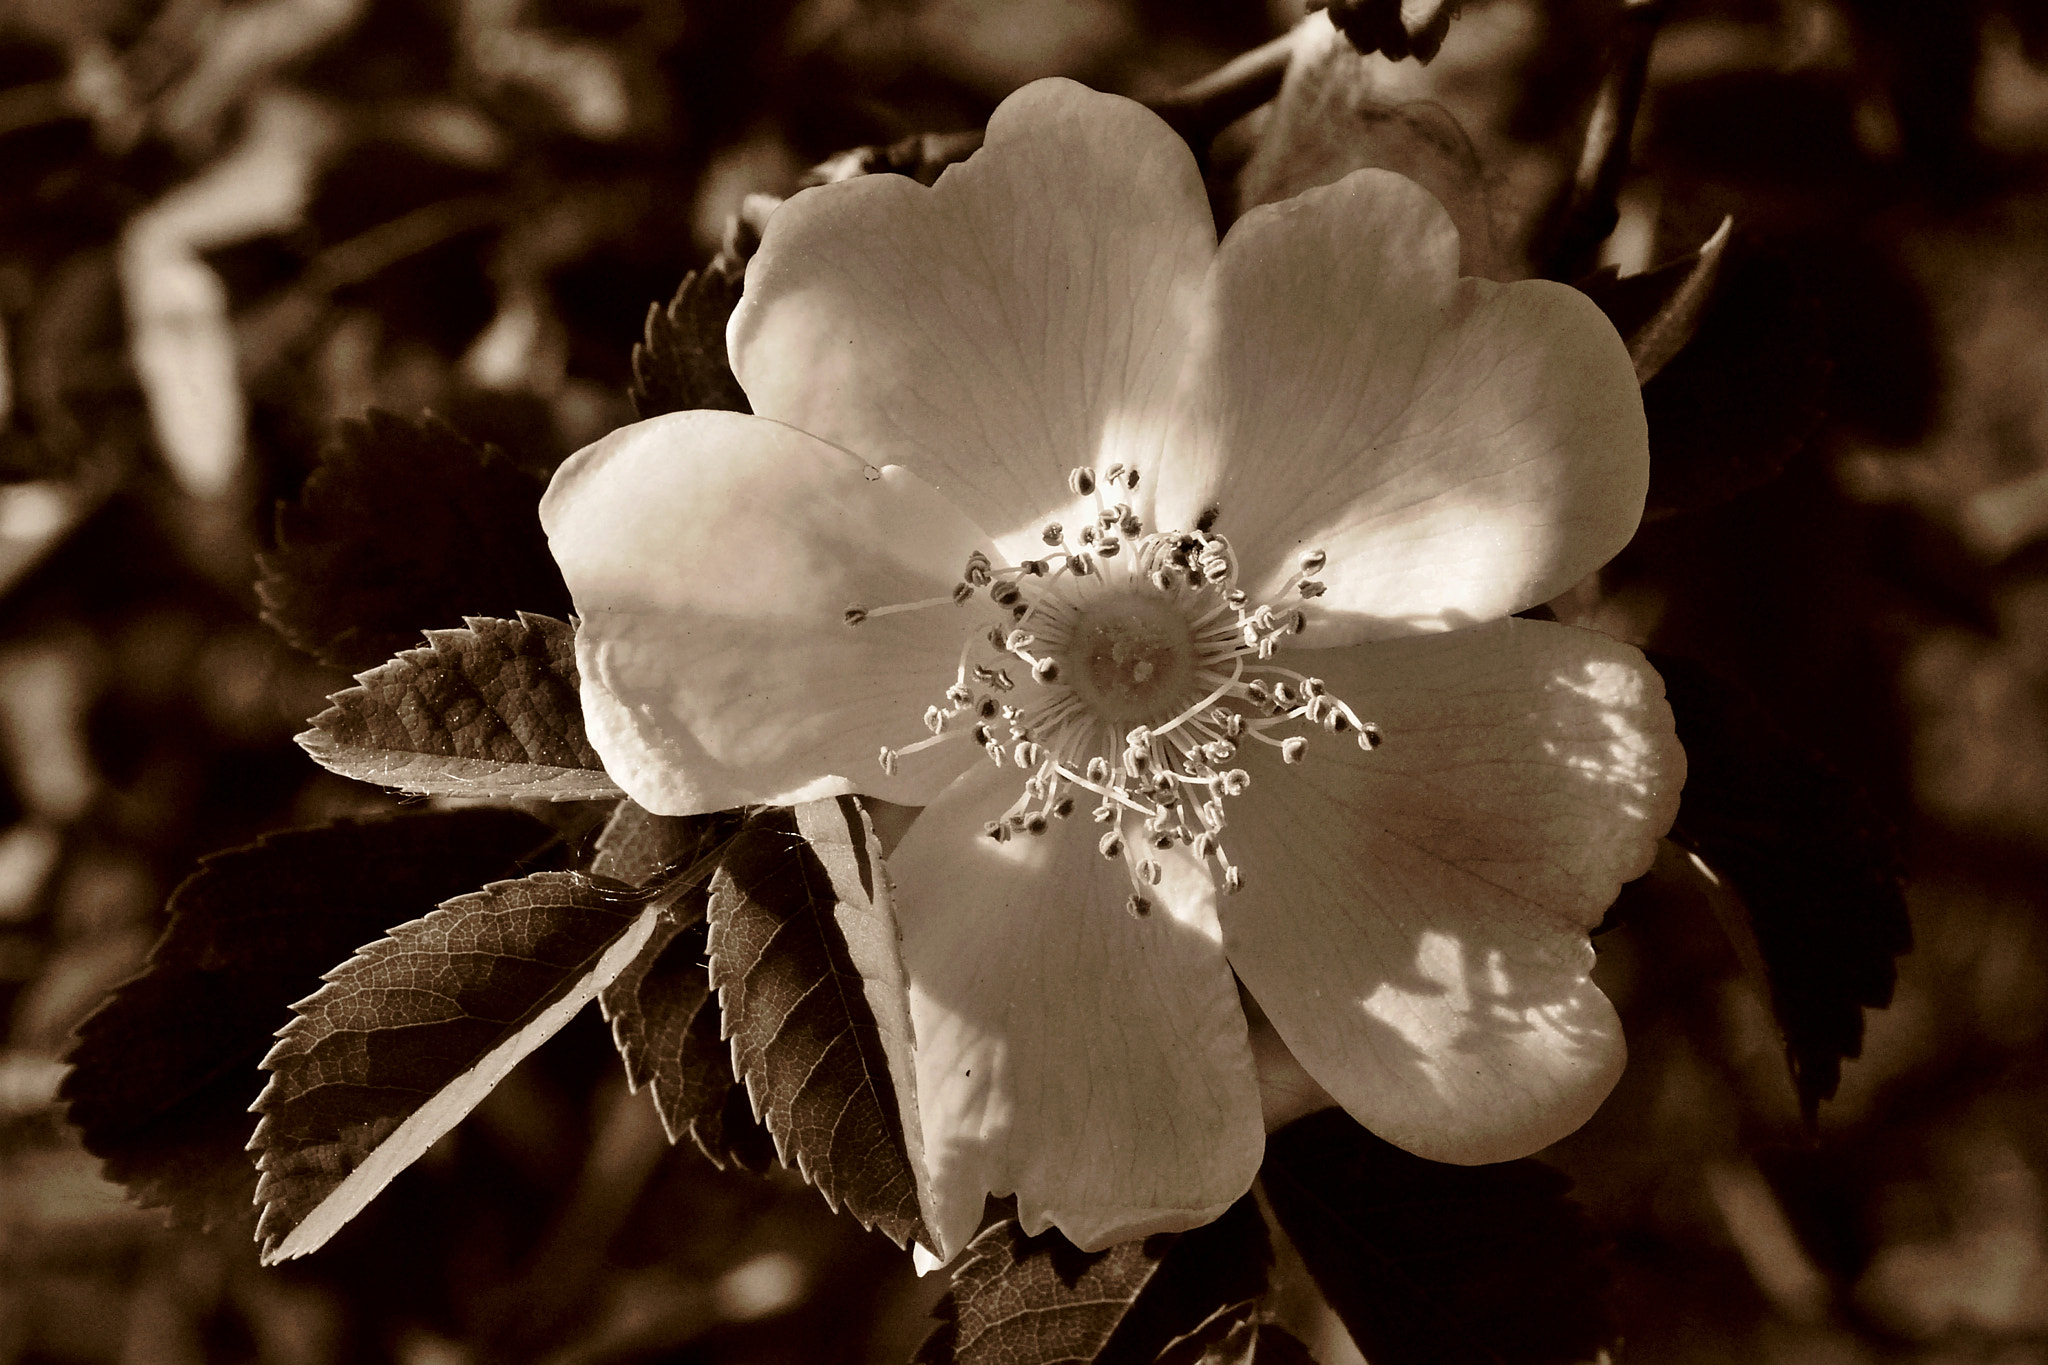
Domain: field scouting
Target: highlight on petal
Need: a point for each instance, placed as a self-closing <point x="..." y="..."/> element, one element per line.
<point x="1094" y="1063"/>
<point x="1459" y="449"/>
<point x="1026" y="315"/>
<point x="712" y="557"/>
<point x="1414" y="918"/>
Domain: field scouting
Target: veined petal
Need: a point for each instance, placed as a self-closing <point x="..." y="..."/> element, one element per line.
<point x="1025" y="315"/>
<point x="1414" y="919"/>
<point x="712" y="557"/>
<point x="1094" y="1063"/>
<point x="1460" y="449"/>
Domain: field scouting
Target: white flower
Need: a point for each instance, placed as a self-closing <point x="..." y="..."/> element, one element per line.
<point x="1053" y="507"/>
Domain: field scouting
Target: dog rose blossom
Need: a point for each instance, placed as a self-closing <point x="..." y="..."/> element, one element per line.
<point x="1174" y="580"/>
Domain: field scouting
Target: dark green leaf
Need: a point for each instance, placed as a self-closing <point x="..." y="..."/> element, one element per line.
<point x="412" y="1032"/>
<point x="1018" y="1300"/>
<point x="1815" y="864"/>
<point x="681" y="364"/>
<point x="663" y="1012"/>
<point x="1744" y="395"/>
<point x="804" y="956"/>
<point x="164" y="1072"/>
<point x="490" y="710"/>
<point x="404" y="523"/>
<point x="1439" y="1264"/>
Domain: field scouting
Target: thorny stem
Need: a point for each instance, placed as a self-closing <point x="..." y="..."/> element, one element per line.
<point x="1588" y="212"/>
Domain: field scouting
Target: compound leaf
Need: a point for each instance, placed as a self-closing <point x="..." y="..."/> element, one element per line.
<point x="403" y="523"/>
<point x="804" y="957"/>
<point x="1018" y="1300"/>
<point x="412" y="1032"/>
<point x="164" y="1072"/>
<point x="489" y="710"/>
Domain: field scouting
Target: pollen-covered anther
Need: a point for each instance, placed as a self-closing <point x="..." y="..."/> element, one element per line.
<point x="1046" y="670"/>
<point x="1293" y="749"/>
<point x="1110" y="845"/>
<point x="1150" y="872"/>
<point x="887" y="758"/>
<point x="1027" y="755"/>
<point x="1017" y="641"/>
<point x="855" y="615"/>
<point x="1053" y="533"/>
<point x="934" y="720"/>
<point x="1004" y="593"/>
<point x="1035" y="823"/>
<point x="1082" y="481"/>
<point x="961" y="592"/>
<point x="1162" y="840"/>
<point x="1312" y="563"/>
<point x="1233" y="879"/>
<point x="997" y="830"/>
<point x="1237" y="782"/>
<point x="1311" y="587"/>
<point x="1138" y="907"/>
<point x="977" y="570"/>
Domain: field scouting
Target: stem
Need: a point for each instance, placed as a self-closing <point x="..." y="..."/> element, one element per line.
<point x="1204" y="107"/>
<point x="1588" y="213"/>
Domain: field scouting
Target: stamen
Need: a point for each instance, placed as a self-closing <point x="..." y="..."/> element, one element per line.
<point x="1053" y="533"/>
<point x="1082" y="481"/>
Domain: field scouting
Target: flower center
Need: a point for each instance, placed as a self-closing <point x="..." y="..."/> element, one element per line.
<point x="1129" y="658"/>
<point x="1145" y="667"/>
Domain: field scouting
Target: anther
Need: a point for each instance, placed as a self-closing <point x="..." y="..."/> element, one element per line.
<point x="961" y="592"/>
<point x="1003" y="594"/>
<point x="1137" y="907"/>
<point x="1033" y="568"/>
<point x="1204" y="842"/>
<point x="1046" y="670"/>
<point x="934" y="720"/>
<point x="1293" y="749"/>
<point x="1129" y="523"/>
<point x="977" y="574"/>
<point x="1017" y="641"/>
<point x="997" y="830"/>
<point x="1087" y="535"/>
<point x="1236" y="782"/>
<point x="1082" y="481"/>
<point x="1369" y="738"/>
<point x="988" y="708"/>
<point x="1312" y="562"/>
<point x="1235" y="599"/>
<point x="1208" y="518"/>
<point x="1162" y="840"/>
<point x="1035" y="823"/>
<point x="888" y="761"/>
<point x="1131" y="477"/>
<point x="1053" y="533"/>
<point x="958" y="695"/>
<point x="1114" y="475"/>
<point x="1098" y="769"/>
<point x="1110" y="845"/>
<point x="1311" y="587"/>
<point x="1108" y="546"/>
<point x="1150" y="872"/>
<point x="1233" y="879"/>
<point x="1027" y="755"/>
<point x="856" y="615"/>
<point x="1063" y="808"/>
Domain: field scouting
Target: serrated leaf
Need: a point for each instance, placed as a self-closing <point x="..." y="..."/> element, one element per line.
<point x="663" y="1012"/>
<point x="810" y="979"/>
<point x="404" y="523"/>
<point x="1659" y="310"/>
<point x="413" y="1031"/>
<point x="1491" y="1265"/>
<point x="680" y="363"/>
<point x="489" y="710"/>
<point x="1745" y="394"/>
<point x="1018" y="1300"/>
<point x="1814" y="863"/>
<point x="164" y="1072"/>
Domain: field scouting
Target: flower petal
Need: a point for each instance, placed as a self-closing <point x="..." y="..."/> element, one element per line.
<point x="1025" y="315"/>
<point x="1460" y="449"/>
<point x="712" y="557"/>
<point x="1414" y="919"/>
<point x="1094" y="1063"/>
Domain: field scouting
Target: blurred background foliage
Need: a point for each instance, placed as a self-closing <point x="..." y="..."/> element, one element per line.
<point x="225" y="226"/>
